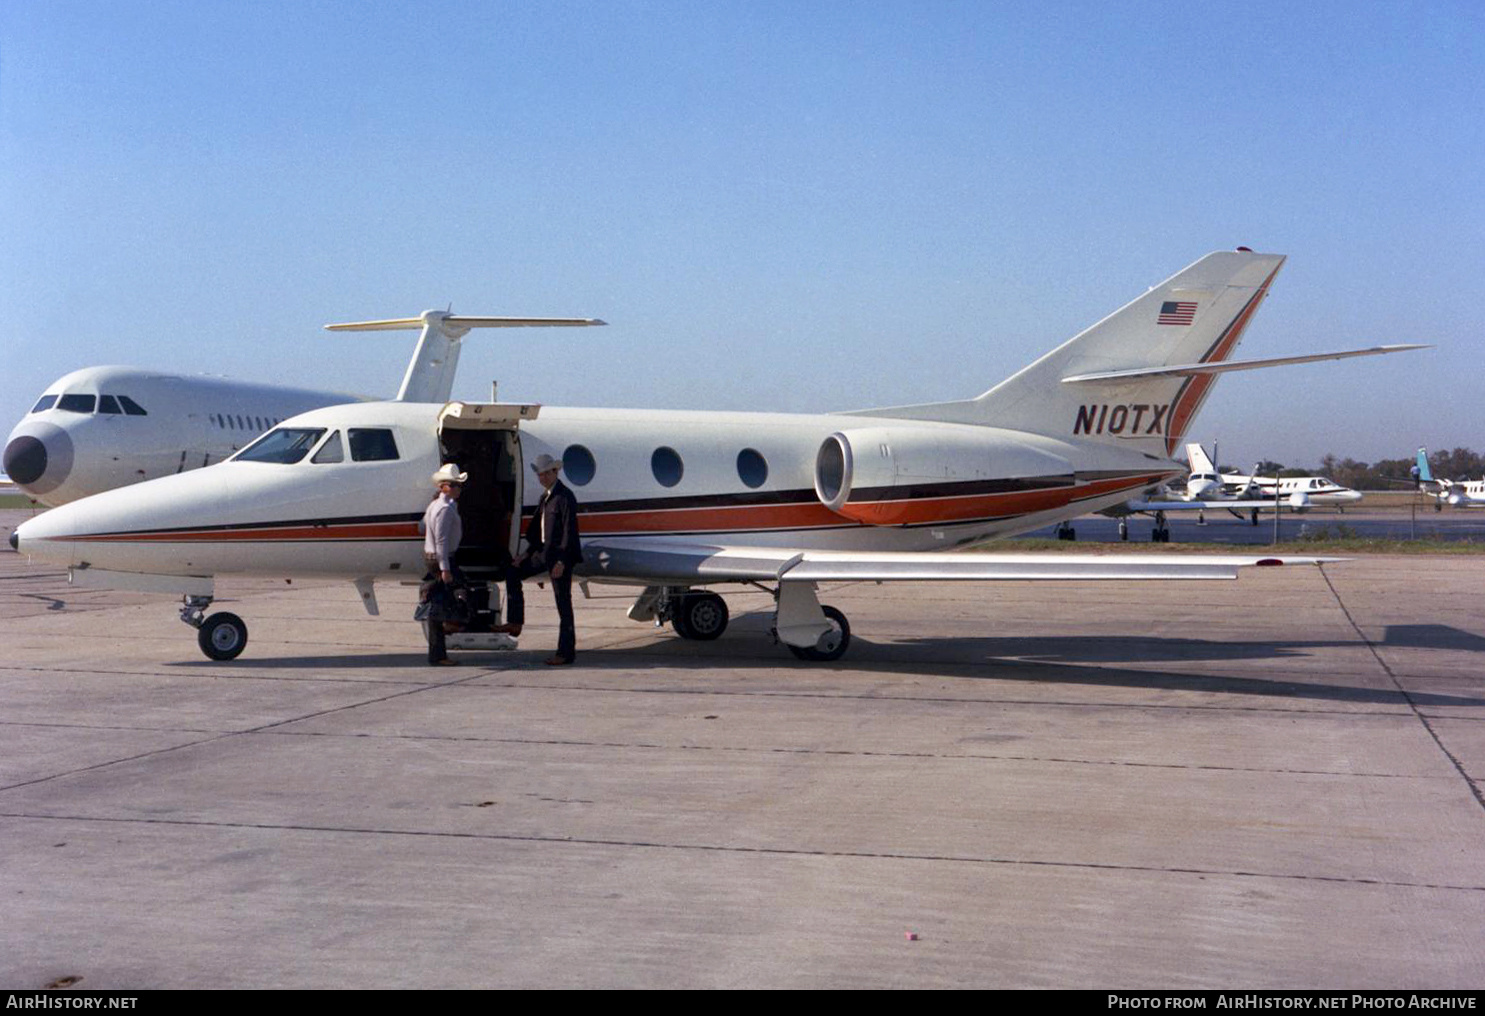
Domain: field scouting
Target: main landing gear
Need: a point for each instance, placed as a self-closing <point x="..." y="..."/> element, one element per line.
<point x="1065" y="531"/>
<point x="1161" y="532"/>
<point x="222" y="636"/>
<point x="807" y="629"/>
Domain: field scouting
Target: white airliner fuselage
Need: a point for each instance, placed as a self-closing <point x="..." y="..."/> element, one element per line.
<point x="105" y="427"/>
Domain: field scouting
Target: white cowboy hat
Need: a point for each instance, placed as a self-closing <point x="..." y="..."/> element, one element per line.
<point x="543" y="462"/>
<point x="449" y="473"/>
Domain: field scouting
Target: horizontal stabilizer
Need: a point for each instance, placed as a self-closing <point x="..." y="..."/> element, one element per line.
<point x="1223" y="366"/>
<point x="430" y="374"/>
<point x="453" y="322"/>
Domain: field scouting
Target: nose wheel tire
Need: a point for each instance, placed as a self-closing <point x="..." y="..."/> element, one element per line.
<point x="834" y="643"/>
<point x="222" y="636"/>
<point x="702" y="617"/>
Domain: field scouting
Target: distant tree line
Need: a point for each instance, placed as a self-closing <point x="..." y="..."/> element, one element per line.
<point x="1452" y="464"/>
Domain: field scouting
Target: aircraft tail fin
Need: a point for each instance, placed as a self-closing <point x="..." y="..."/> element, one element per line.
<point x="1137" y="378"/>
<point x="1199" y="461"/>
<point x="1131" y="379"/>
<point x="1425" y="475"/>
<point x="430" y="373"/>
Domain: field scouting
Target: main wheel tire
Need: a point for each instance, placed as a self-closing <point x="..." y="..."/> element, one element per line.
<point x="702" y="617"/>
<point x="841" y="639"/>
<point x="222" y="636"/>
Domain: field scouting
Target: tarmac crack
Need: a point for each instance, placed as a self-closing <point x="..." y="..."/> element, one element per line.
<point x="855" y="753"/>
<point x="1422" y="717"/>
<point x="261" y="728"/>
<point x="722" y="848"/>
<point x="955" y="700"/>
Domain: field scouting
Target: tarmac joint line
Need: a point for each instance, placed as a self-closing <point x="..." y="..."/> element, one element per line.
<point x="1407" y="697"/>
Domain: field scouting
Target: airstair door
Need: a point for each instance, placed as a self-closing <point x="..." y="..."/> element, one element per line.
<point x="484" y="440"/>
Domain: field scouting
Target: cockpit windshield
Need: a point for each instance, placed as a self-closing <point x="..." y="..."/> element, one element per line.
<point x="77" y="403"/>
<point x="285" y="445"/>
<point x="46" y="402"/>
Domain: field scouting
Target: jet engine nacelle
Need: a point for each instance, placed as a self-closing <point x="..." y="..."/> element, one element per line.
<point x="1299" y="502"/>
<point x="880" y="475"/>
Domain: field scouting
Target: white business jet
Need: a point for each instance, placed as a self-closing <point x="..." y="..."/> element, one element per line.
<point x="1292" y="491"/>
<point x="1454" y="493"/>
<point x="677" y="502"/>
<point x="1207" y="488"/>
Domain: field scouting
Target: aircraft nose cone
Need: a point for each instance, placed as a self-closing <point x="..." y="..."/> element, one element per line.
<point x="39" y="459"/>
<point x="25" y="460"/>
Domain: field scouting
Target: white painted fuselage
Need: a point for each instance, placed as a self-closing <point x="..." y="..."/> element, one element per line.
<point x="1314" y="490"/>
<point x="351" y="519"/>
<point x="105" y="427"/>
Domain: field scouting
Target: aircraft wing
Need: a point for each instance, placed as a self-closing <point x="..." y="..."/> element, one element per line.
<point x="1265" y="503"/>
<point x="652" y="563"/>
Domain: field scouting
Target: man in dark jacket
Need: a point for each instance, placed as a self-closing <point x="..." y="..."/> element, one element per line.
<point x="552" y="546"/>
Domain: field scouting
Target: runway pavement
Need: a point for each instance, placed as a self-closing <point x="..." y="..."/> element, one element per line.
<point x="1269" y="783"/>
<point x="1398" y="523"/>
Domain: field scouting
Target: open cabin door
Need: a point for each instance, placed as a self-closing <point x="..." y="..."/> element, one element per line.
<point x="484" y="440"/>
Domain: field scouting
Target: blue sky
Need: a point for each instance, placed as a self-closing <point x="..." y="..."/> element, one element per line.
<point x="784" y="206"/>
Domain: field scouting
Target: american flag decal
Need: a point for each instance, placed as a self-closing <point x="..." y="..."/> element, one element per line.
<point x="1177" y="312"/>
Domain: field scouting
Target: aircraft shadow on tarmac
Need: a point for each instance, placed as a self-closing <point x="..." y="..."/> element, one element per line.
<point x="1433" y="636"/>
<point x="1081" y="659"/>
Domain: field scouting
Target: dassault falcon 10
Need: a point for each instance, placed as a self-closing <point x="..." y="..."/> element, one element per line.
<point x="679" y="502"/>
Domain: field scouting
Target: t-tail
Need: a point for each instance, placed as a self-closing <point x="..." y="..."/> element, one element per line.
<point x="1137" y="378"/>
<point x="430" y="372"/>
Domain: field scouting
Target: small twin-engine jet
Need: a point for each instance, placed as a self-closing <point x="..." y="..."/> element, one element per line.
<point x="1208" y="488"/>
<point x="1454" y="493"/>
<point x="680" y="502"/>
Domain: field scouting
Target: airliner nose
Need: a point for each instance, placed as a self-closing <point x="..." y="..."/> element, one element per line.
<point x="25" y="460"/>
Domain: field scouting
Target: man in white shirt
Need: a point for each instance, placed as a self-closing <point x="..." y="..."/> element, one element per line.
<point x="443" y="530"/>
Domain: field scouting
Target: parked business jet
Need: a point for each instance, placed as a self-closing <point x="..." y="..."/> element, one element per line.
<point x="1206" y="488"/>
<point x="1292" y="491"/>
<point x="677" y="502"/>
<point x="1454" y="493"/>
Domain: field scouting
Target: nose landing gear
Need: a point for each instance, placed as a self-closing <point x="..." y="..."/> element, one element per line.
<point x="222" y="636"/>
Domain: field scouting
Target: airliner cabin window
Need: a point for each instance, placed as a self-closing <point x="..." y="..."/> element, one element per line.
<point x="284" y="446"/>
<point x="77" y="403"/>
<point x="372" y="444"/>
<point x="108" y="404"/>
<point x="331" y="451"/>
<point x="44" y="403"/>
<point x="131" y="408"/>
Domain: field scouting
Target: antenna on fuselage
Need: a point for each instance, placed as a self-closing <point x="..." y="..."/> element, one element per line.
<point x="430" y="373"/>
